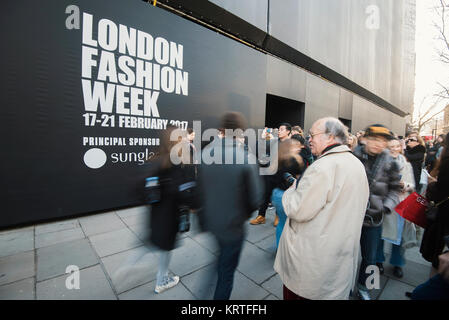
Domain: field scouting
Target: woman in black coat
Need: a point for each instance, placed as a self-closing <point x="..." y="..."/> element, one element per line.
<point x="165" y="213"/>
<point x="415" y="154"/>
<point x="433" y="239"/>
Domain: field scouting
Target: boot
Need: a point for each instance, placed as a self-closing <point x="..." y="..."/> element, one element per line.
<point x="276" y="221"/>
<point x="258" y="220"/>
<point x="397" y="272"/>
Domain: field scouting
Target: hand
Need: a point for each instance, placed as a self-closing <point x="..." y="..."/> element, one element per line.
<point x="431" y="179"/>
<point x="443" y="267"/>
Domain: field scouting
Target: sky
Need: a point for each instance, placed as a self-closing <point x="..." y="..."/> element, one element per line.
<point x="429" y="70"/>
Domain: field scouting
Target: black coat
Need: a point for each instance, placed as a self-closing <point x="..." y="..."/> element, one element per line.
<point x="416" y="158"/>
<point x="164" y="220"/>
<point x="433" y="243"/>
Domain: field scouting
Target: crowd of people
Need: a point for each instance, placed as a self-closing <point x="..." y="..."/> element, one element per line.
<point x="334" y="195"/>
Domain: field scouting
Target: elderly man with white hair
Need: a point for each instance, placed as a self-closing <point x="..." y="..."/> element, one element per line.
<point x="319" y="248"/>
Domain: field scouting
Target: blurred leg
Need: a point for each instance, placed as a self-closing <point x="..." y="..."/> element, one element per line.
<point x="227" y="263"/>
<point x="162" y="273"/>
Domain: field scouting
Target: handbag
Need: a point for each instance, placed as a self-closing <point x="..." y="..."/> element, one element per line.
<point x="417" y="209"/>
<point x="432" y="210"/>
<point x="413" y="209"/>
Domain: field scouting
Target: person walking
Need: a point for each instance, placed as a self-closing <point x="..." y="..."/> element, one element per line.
<point x="384" y="186"/>
<point x="230" y="193"/>
<point x="165" y="208"/>
<point x="396" y="230"/>
<point x="319" y="246"/>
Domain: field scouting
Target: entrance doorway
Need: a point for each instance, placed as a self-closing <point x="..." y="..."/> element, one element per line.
<point x="347" y="123"/>
<point x="280" y="109"/>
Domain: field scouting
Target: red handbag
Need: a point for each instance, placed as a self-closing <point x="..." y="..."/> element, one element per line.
<point x="413" y="209"/>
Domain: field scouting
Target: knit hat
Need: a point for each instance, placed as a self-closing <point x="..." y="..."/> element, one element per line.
<point x="378" y="130"/>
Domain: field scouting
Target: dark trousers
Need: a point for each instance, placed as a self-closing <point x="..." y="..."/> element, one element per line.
<point x="290" y="295"/>
<point x="226" y="265"/>
<point x="369" y="242"/>
<point x="268" y="180"/>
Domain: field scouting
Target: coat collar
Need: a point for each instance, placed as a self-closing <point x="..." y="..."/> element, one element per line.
<point x="338" y="149"/>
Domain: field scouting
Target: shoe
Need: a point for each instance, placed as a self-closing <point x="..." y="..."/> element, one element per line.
<point x="397" y="272"/>
<point x="381" y="268"/>
<point x="364" y="294"/>
<point x="276" y="221"/>
<point x="168" y="283"/>
<point x="258" y="220"/>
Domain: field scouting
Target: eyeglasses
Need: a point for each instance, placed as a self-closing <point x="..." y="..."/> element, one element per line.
<point x="411" y="139"/>
<point x="311" y="135"/>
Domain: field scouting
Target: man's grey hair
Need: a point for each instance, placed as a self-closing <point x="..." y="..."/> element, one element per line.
<point x="336" y="128"/>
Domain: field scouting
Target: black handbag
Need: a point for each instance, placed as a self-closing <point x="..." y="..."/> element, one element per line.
<point x="432" y="210"/>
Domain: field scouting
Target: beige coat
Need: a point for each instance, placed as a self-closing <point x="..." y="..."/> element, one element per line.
<point x="318" y="251"/>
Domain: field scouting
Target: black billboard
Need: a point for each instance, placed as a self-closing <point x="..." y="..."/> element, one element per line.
<point x="87" y="87"/>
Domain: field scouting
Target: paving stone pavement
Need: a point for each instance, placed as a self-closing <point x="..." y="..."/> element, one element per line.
<point x="116" y="262"/>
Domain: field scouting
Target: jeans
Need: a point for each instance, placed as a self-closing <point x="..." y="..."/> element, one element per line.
<point x="228" y="260"/>
<point x="436" y="288"/>
<point x="369" y="242"/>
<point x="397" y="254"/>
<point x="276" y="199"/>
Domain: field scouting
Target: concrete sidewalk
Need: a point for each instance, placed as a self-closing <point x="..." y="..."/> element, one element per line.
<point x="115" y="263"/>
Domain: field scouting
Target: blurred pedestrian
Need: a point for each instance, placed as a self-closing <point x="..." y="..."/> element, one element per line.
<point x="230" y="193"/>
<point x="319" y="247"/>
<point x="385" y="187"/>
<point x="305" y="153"/>
<point x="440" y="144"/>
<point x="415" y="153"/>
<point x="399" y="232"/>
<point x="167" y="202"/>
<point x="352" y="142"/>
<point x="360" y="134"/>
<point x="297" y="130"/>
<point x="431" y="152"/>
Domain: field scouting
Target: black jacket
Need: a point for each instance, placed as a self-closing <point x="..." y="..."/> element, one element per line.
<point x="164" y="218"/>
<point x="307" y="156"/>
<point x="289" y="167"/>
<point x="416" y="158"/>
<point x="384" y="185"/>
<point x="433" y="239"/>
<point x="230" y="192"/>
